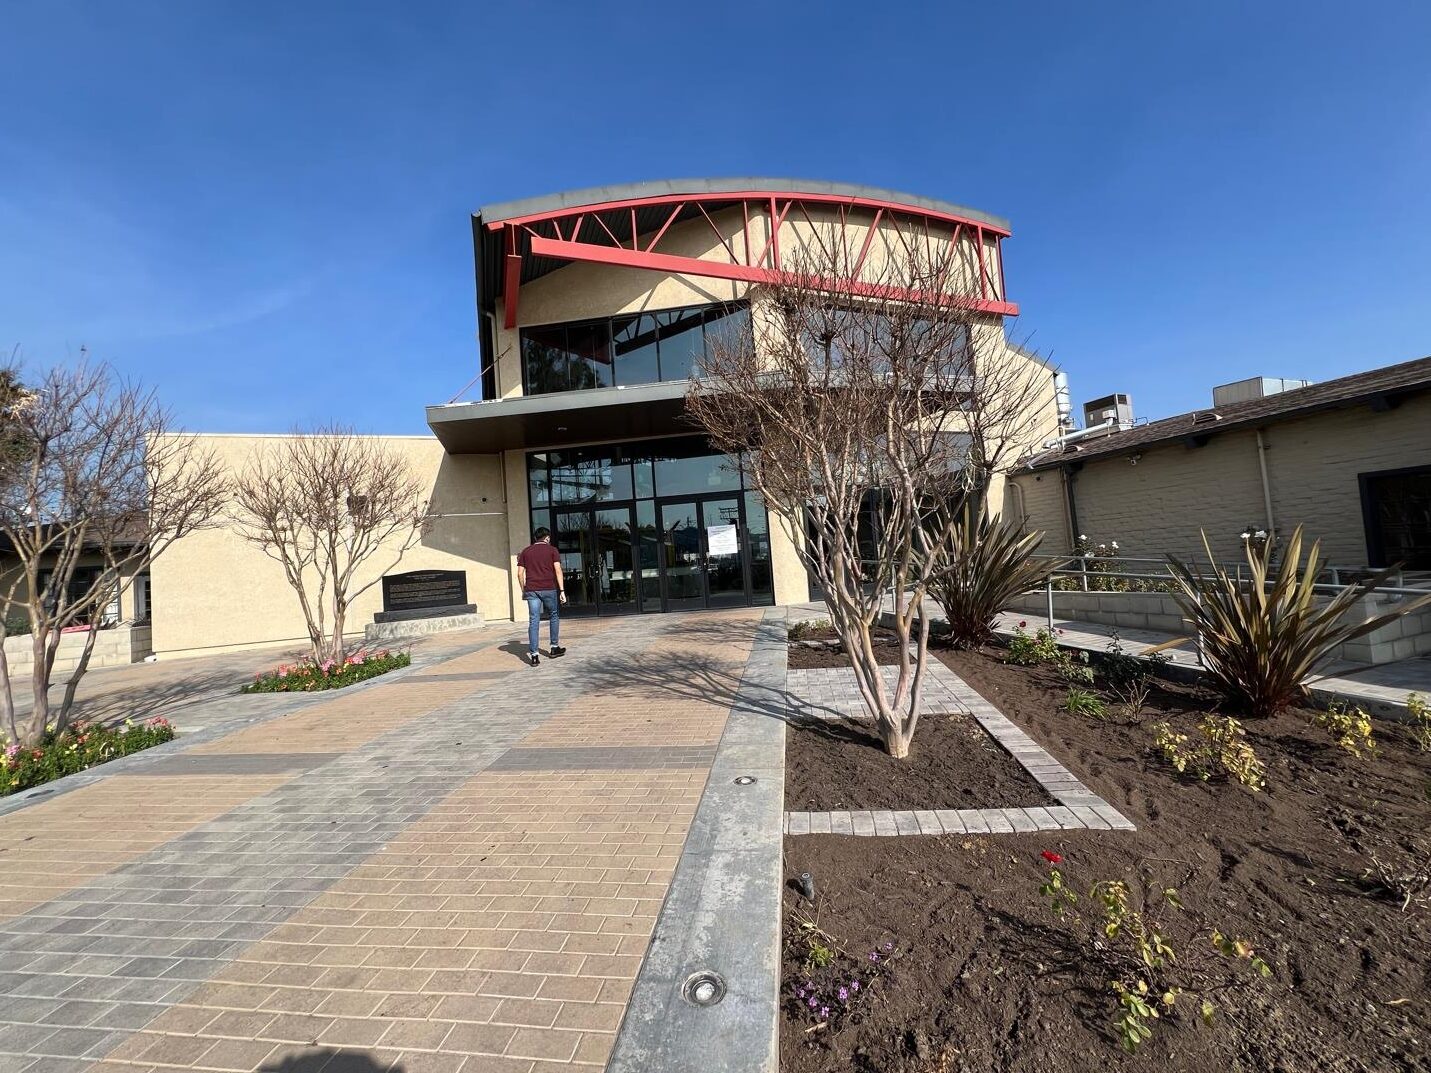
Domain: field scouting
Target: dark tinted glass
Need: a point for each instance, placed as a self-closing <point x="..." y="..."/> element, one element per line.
<point x="682" y="342"/>
<point x="633" y="344"/>
<point x="544" y="356"/>
<point x="728" y="328"/>
<point x="589" y="346"/>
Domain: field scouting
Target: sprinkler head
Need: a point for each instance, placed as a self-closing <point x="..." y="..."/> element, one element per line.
<point x="807" y="885"/>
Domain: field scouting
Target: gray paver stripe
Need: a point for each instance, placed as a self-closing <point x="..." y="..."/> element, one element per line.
<point x="235" y="764"/>
<point x="143" y="937"/>
<point x="464" y="676"/>
<point x="604" y="758"/>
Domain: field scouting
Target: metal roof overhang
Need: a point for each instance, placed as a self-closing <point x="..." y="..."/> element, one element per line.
<point x="561" y="419"/>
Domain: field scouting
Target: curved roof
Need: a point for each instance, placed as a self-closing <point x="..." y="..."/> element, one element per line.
<point x="508" y="211"/>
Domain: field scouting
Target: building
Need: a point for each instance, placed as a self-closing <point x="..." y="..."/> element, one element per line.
<point x="593" y="308"/>
<point x="1348" y="459"/>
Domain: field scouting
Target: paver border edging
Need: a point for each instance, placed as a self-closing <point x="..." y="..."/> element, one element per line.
<point x="722" y="911"/>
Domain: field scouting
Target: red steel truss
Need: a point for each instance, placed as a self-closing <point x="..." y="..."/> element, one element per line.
<point x="590" y="233"/>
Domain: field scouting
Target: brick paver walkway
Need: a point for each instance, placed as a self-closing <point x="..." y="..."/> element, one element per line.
<point x="456" y="869"/>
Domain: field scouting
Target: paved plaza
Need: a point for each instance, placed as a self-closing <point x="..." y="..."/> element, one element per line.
<point x="456" y="867"/>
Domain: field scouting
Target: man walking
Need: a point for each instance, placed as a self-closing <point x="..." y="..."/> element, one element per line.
<point x="543" y="586"/>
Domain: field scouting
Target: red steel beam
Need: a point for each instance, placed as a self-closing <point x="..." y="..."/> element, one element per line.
<point x="765" y="197"/>
<point x="693" y="266"/>
<point x="512" y="284"/>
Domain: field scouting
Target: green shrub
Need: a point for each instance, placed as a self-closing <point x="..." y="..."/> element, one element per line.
<point x="1083" y="702"/>
<point x="982" y="565"/>
<point x="1152" y="951"/>
<point x="1130" y="677"/>
<point x="78" y="748"/>
<point x="1074" y="668"/>
<point x="802" y="630"/>
<point x="309" y="677"/>
<point x="1031" y="650"/>
<point x="1349" y="726"/>
<point x="1420" y="713"/>
<point x="1262" y="637"/>
<point x="1223" y="749"/>
<point x="17" y="626"/>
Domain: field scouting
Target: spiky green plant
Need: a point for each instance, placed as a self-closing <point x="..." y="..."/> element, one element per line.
<point x="1263" y="637"/>
<point x="986" y="564"/>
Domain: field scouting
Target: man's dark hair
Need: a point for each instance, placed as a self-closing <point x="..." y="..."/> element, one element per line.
<point x="541" y="534"/>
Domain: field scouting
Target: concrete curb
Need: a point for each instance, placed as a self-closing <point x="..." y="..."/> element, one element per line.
<point x="722" y="912"/>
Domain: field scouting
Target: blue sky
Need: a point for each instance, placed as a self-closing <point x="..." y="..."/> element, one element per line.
<point x="263" y="208"/>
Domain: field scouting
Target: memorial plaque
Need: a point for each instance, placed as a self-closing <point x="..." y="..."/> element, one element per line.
<point x="424" y="593"/>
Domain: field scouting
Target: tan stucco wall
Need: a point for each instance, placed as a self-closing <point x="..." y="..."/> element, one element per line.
<point x="213" y="590"/>
<point x="1160" y="504"/>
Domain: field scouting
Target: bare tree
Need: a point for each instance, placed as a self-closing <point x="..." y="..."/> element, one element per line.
<point x="323" y="505"/>
<point x="90" y="474"/>
<point x="871" y="399"/>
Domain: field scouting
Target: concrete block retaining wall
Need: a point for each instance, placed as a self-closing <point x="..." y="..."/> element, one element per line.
<point x="1405" y="638"/>
<point x="114" y="647"/>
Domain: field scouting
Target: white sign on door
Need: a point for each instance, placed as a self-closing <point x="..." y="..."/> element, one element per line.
<point x="722" y="540"/>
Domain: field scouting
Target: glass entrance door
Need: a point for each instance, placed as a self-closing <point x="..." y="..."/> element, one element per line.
<point x="598" y="560"/>
<point x="702" y="553"/>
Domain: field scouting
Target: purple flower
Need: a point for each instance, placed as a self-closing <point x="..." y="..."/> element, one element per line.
<point x="886" y="946"/>
<point x="874" y="955"/>
<point x="844" y="994"/>
<point x="824" y="1011"/>
<point x="799" y="992"/>
<point x="812" y="1003"/>
<point x="854" y="985"/>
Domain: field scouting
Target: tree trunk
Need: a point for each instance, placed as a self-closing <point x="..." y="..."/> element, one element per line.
<point x="7" y="699"/>
<point x="63" y="720"/>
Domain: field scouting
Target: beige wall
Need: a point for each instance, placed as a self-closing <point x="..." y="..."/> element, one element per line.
<point x="1160" y="504"/>
<point x="212" y="590"/>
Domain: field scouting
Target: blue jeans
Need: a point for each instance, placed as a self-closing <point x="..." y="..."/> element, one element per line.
<point x="546" y="598"/>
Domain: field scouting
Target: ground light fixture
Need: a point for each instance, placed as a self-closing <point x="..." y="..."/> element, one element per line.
<point x="704" y="988"/>
<point x="744" y="780"/>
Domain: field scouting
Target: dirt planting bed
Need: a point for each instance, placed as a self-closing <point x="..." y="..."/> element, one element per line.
<point x="954" y="764"/>
<point x="973" y="972"/>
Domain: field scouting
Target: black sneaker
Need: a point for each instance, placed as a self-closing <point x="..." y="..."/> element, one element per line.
<point x="557" y="650"/>
<point x="533" y="658"/>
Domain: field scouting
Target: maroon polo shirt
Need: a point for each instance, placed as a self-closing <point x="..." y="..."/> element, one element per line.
<point x="539" y="561"/>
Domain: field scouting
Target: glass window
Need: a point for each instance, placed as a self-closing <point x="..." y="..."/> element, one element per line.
<point x="633" y="345"/>
<point x="544" y="358"/>
<point x="682" y="342"/>
<point x="686" y="467"/>
<point x="589" y="347"/>
<point x="757" y="527"/>
<point x="728" y="327"/>
<point x="537" y="479"/>
<point x="591" y="475"/>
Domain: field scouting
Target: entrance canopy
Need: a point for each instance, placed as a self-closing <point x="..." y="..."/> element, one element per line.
<point x="562" y="419"/>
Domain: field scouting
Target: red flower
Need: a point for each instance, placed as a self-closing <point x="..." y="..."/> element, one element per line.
<point x="1022" y="623"/>
<point x="1051" y="857"/>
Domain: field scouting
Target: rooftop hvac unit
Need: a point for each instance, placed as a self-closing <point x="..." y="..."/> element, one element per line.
<point x="1256" y="387"/>
<point x="1115" y="408"/>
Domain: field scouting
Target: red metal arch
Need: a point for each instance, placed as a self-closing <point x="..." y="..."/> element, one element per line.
<point x="591" y="233"/>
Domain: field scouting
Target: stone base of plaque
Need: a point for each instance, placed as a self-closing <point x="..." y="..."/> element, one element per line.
<point x="397" y="629"/>
<point x="426" y="612"/>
